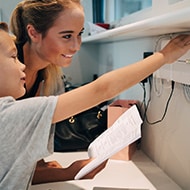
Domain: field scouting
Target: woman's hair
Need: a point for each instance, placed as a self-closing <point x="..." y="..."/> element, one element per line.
<point x="41" y="14"/>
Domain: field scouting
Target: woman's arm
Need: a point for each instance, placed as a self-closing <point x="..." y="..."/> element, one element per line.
<point x="112" y="83"/>
<point x="53" y="172"/>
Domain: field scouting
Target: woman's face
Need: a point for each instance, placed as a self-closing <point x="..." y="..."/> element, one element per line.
<point x="12" y="76"/>
<point x="63" y="39"/>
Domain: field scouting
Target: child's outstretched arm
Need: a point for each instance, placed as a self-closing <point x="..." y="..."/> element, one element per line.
<point x="113" y="83"/>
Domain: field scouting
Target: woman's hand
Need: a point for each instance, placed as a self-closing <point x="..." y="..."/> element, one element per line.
<point x="77" y="165"/>
<point x="176" y="48"/>
<point x="51" y="164"/>
<point x="53" y="172"/>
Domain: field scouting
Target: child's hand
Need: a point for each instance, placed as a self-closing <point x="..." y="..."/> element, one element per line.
<point x="176" y="48"/>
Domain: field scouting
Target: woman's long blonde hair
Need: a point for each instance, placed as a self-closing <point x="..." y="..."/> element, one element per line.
<point x="42" y="15"/>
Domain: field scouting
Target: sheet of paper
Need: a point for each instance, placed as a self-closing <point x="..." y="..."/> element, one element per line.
<point x="125" y="130"/>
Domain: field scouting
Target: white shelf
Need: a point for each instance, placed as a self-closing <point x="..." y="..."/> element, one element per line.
<point x="172" y="22"/>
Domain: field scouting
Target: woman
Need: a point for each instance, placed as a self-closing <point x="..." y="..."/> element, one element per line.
<point x="46" y="45"/>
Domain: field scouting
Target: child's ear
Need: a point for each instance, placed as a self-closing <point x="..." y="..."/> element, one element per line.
<point x="32" y="33"/>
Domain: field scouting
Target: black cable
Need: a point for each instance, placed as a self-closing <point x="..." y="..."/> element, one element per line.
<point x="150" y="84"/>
<point x="166" y="108"/>
<point x="144" y="97"/>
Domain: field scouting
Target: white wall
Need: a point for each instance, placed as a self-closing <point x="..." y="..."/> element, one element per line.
<point x="6" y="8"/>
<point x="84" y="65"/>
<point x="167" y="143"/>
<point x="115" y="55"/>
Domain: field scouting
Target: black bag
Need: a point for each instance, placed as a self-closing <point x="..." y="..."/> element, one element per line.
<point x="77" y="132"/>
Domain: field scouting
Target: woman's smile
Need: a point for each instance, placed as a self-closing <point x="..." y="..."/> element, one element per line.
<point x="67" y="56"/>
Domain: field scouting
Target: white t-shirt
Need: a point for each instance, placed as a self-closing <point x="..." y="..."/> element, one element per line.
<point x="26" y="136"/>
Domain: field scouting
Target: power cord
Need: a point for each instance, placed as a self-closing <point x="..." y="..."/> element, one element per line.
<point x="144" y="105"/>
<point x="186" y="91"/>
<point x="166" y="108"/>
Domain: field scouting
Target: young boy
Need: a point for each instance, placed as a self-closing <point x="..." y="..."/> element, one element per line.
<point x="26" y="132"/>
